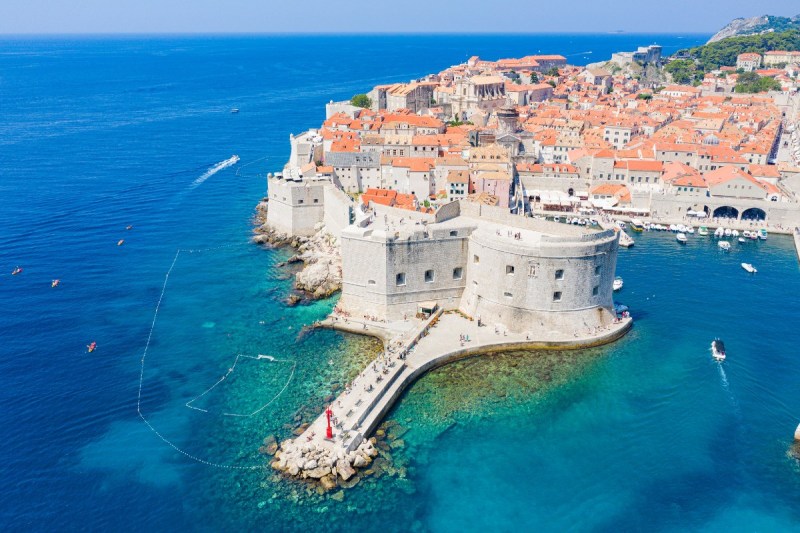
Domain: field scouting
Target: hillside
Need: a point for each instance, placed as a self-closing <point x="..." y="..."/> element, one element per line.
<point x="756" y="25"/>
<point x="689" y="66"/>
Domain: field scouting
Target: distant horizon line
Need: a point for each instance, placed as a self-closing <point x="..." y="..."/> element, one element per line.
<point x="341" y="34"/>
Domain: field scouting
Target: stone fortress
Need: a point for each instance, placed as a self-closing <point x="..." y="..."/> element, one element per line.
<point x="483" y="261"/>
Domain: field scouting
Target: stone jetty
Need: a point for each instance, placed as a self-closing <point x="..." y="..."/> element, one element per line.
<point x="412" y="347"/>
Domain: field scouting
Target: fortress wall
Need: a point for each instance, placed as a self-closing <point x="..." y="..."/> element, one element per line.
<point x="515" y="283"/>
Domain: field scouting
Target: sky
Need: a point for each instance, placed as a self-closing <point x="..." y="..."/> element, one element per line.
<point x="378" y="16"/>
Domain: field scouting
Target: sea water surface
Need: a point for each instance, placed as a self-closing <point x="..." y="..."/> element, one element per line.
<point x="97" y="134"/>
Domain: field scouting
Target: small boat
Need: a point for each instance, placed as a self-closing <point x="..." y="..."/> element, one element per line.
<point x="621" y="224"/>
<point x="234" y="110"/>
<point x="735" y="233"/>
<point x="727" y="232"/>
<point x="556" y="219"/>
<point x="762" y="234"/>
<point x="618" y="283"/>
<point x="55" y="283"/>
<point x="91" y="347"/>
<point x="120" y="242"/>
<point x="724" y="245"/>
<point x="742" y="240"/>
<point x="681" y="238"/>
<point x="719" y="232"/>
<point x="718" y="350"/>
<point x="129" y="227"/>
<point x="746" y="234"/>
<point x="702" y="231"/>
<point x="750" y="268"/>
<point x="690" y="230"/>
<point x="16" y="271"/>
<point x="637" y="225"/>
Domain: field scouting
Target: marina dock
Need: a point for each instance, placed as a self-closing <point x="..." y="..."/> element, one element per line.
<point x="413" y="350"/>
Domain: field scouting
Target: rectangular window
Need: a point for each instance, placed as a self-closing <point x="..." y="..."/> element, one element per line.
<point x="507" y="294"/>
<point x="557" y="296"/>
<point x="299" y="201"/>
<point x="559" y="274"/>
<point x="510" y="270"/>
<point x="476" y="259"/>
<point x="597" y="270"/>
<point x="595" y="291"/>
<point x="316" y="200"/>
<point x="454" y="234"/>
<point x="458" y="273"/>
<point x="429" y="276"/>
<point x="401" y="279"/>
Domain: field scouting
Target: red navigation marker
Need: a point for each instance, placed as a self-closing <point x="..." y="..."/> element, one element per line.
<point x="329" y="430"/>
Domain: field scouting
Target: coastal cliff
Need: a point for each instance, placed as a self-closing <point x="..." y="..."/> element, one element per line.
<point x="321" y="275"/>
<point x="755" y="25"/>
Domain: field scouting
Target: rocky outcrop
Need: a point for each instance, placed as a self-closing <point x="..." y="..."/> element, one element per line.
<point x="751" y="26"/>
<point x="321" y="275"/>
<point x="331" y="467"/>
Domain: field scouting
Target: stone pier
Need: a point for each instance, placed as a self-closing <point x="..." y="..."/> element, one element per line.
<point x="796" y="235"/>
<point x="412" y="348"/>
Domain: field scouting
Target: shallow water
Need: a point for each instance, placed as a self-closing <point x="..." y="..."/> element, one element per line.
<point x="98" y="134"/>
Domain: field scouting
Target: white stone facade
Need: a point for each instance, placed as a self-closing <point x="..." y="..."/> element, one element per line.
<point x="503" y="268"/>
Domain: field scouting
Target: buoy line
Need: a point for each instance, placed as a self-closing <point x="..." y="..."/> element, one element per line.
<point x="230" y="371"/>
<point x="141" y="374"/>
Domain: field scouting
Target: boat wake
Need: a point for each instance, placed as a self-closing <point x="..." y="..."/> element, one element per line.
<point x="725" y="385"/>
<point x="213" y="170"/>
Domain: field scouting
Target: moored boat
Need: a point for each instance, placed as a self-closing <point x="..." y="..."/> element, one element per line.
<point x="719" y="232"/>
<point x="750" y="268"/>
<point x="762" y="234"/>
<point x="681" y="238"/>
<point x="742" y="240"/>
<point x="724" y="245"/>
<point x="718" y="350"/>
<point x="637" y="225"/>
<point x="618" y="283"/>
<point x="702" y="231"/>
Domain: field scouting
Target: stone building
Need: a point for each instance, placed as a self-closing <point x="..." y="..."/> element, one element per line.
<point x="502" y="268"/>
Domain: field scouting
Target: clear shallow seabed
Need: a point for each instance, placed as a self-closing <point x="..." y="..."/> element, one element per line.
<point x="97" y="134"/>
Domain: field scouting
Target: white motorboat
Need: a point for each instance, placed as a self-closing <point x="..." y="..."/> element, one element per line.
<point x="673" y="227"/>
<point x="702" y="231"/>
<point x="556" y="219"/>
<point x="762" y="234"/>
<point x="727" y="232"/>
<point x="746" y="234"/>
<point x="718" y="350"/>
<point x="749" y="268"/>
<point x="618" y="283"/>
<point x="742" y="240"/>
<point x="734" y="233"/>
<point x="690" y="230"/>
<point x="681" y="238"/>
<point x="724" y="245"/>
<point x="719" y="232"/>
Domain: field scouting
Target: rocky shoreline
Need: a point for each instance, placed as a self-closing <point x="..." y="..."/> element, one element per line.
<point x="325" y="469"/>
<point x="321" y="275"/>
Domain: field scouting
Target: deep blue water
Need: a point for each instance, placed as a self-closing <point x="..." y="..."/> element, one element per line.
<point x="100" y="133"/>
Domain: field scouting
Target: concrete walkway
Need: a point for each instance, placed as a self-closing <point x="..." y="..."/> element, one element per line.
<point x="796" y="236"/>
<point x="414" y="347"/>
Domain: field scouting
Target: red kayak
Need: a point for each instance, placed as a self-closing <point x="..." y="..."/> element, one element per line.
<point x="91" y="346"/>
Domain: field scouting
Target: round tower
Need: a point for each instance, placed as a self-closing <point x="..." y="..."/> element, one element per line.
<point x="507" y="118"/>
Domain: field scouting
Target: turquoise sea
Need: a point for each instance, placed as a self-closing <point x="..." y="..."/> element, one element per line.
<point x="104" y="132"/>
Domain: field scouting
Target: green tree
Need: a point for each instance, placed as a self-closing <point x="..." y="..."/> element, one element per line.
<point x="553" y="71"/>
<point x="752" y="83"/>
<point x="361" y="100"/>
<point x="534" y="78"/>
<point x="683" y="71"/>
